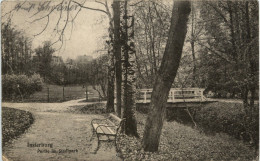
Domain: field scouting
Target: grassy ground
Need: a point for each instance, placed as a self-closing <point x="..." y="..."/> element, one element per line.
<point x="56" y="94"/>
<point x="14" y="123"/>
<point x="96" y="108"/>
<point x="180" y="142"/>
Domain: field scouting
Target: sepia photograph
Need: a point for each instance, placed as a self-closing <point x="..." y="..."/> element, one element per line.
<point x="130" y="80"/>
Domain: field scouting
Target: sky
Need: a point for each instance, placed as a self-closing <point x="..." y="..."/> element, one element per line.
<point x="83" y="37"/>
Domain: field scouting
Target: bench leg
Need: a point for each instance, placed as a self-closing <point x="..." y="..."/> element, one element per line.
<point x="116" y="144"/>
<point x="93" y="133"/>
<point x="98" y="146"/>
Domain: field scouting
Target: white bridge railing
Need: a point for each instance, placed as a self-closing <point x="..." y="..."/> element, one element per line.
<point x="175" y="95"/>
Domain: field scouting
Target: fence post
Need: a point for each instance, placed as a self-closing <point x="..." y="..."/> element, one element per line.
<point x="173" y="95"/>
<point x="63" y="94"/>
<point x="144" y="97"/>
<point x="48" y="94"/>
<point x="86" y="93"/>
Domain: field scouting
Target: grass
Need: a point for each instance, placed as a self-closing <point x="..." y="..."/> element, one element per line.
<point x="180" y="142"/>
<point x="56" y="94"/>
<point x="95" y="108"/>
<point x="14" y="123"/>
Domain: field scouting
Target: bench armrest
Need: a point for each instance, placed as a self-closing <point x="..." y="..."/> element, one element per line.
<point x="120" y="124"/>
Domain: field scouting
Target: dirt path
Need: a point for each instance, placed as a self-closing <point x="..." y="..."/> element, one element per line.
<point x="55" y="126"/>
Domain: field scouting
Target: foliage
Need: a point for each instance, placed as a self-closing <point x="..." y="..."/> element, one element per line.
<point x="17" y="86"/>
<point x="98" y="73"/>
<point x="230" y="118"/>
<point x="152" y="21"/>
<point x="179" y="142"/>
<point x="44" y="56"/>
<point x="14" y="123"/>
<point x="58" y="73"/>
<point x="230" y="46"/>
<point x="15" y="51"/>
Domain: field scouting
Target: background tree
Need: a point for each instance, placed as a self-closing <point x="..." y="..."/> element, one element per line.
<point x="151" y="25"/>
<point x="16" y="51"/>
<point x="98" y="74"/>
<point x="44" y="56"/>
<point x="231" y="44"/>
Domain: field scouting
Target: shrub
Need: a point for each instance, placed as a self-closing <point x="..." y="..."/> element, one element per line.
<point x="229" y="118"/>
<point x="13" y="86"/>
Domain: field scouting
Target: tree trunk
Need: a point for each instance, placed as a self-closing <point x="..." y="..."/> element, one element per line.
<point x="110" y="93"/>
<point x="253" y="66"/>
<point x="192" y="43"/>
<point x="194" y="82"/>
<point x="129" y="75"/>
<point x="111" y="85"/>
<point x="166" y="75"/>
<point x="117" y="53"/>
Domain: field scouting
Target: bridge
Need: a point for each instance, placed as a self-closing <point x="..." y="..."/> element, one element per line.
<point x="178" y="97"/>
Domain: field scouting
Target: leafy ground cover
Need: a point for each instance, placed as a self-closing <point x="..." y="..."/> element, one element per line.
<point x="219" y="117"/>
<point x="180" y="142"/>
<point x="14" y="123"/>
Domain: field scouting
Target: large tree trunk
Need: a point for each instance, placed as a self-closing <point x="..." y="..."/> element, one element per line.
<point x="192" y="43"/>
<point x="117" y="53"/>
<point x="166" y="75"/>
<point x="110" y="92"/>
<point x="129" y="75"/>
<point x="253" y="66"/>
<point x="111" y="78"/>
<point x="194" y="82"/>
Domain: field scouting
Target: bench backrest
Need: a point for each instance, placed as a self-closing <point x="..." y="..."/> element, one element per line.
<point x="121" y="121"/>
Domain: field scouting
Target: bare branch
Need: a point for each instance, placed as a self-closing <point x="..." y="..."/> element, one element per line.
<point x="10" y="12"/>
<point x="100" y="3"/>
<point x="218" y="11"/>
<point x="135" y="4"/>
<point x="58" y="22"/>
<point x="216" y="53"/>
<point x="35" y="13"/>
<point x="94" y="9"/>
<point x="38" y="19"/>
<point x="44" y="27"/>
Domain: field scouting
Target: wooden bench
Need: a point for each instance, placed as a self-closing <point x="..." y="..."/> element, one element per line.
<point x="106" y="130"/>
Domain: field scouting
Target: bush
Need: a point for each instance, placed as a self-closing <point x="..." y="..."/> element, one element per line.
<point x="229" y="118"/>
<point x="15" y="86"/>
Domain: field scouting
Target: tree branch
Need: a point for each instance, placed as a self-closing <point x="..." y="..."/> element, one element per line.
<point x="100" y="3"/>
<point x="94" y="9"/>
<point x="44" y="27"/>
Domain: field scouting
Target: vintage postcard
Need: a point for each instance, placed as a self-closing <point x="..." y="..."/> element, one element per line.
<point x="129" y="80"/>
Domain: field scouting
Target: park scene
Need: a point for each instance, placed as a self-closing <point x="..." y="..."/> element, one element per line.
<point x="130" y="80"/>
